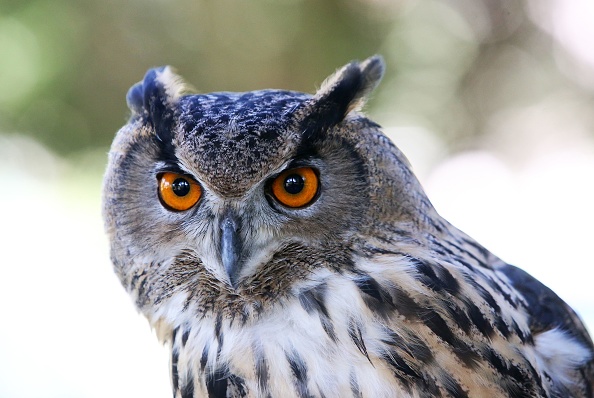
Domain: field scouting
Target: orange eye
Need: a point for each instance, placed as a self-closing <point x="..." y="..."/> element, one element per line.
<point x="178" y="192"/>
<point x="296" y="187"/>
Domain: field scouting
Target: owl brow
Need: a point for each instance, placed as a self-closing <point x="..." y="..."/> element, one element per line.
<point x="305" y="151"/>
<point x="166" y="148"/>
<point x="165" y="166"/>
<point x="303" y="161"/>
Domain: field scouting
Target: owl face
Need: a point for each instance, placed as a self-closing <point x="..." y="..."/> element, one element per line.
<point x="221" y="187"/>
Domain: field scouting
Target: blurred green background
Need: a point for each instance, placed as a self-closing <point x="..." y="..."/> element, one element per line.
<point x="65" y="65"/>
<point x="493" y="102"/>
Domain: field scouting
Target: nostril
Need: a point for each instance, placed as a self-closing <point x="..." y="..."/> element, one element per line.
<point x="229" y="224"/>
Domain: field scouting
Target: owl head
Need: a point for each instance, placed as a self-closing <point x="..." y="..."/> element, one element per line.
<point x="240" y="196"/>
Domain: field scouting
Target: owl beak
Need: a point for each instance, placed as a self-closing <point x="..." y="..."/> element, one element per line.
<point x="231" y="247"/>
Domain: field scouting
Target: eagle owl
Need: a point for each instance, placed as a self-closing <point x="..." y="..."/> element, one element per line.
<point x="280" y="244"/>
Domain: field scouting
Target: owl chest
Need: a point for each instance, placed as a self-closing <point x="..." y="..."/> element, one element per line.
<point x="295" y="351"/>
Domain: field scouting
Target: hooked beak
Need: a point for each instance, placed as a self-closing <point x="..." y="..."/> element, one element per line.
<point x="231" y="246"/>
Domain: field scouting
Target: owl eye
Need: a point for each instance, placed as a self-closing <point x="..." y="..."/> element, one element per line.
<point x="296" y="187"/>
<point x="178" y="192"/>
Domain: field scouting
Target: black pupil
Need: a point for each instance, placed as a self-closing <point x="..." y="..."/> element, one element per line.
<point x="294" y="184"/>
<point x="181" y="187"/>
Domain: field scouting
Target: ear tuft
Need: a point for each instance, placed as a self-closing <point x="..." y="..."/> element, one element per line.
<point x="353" y="83"/>
<point x="341" y="93"/>
<point x="159" y="85"/>
<point x="154" y="98"/>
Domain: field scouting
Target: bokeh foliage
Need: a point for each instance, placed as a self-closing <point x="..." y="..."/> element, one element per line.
<point x="65" y="65"/>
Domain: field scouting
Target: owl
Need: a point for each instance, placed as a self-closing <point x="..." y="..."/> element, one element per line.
<point x="281" y="246"/>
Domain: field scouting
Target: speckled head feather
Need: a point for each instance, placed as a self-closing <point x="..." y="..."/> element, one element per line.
<point x="251" y="131"/>
<point x="361" y="289"/>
